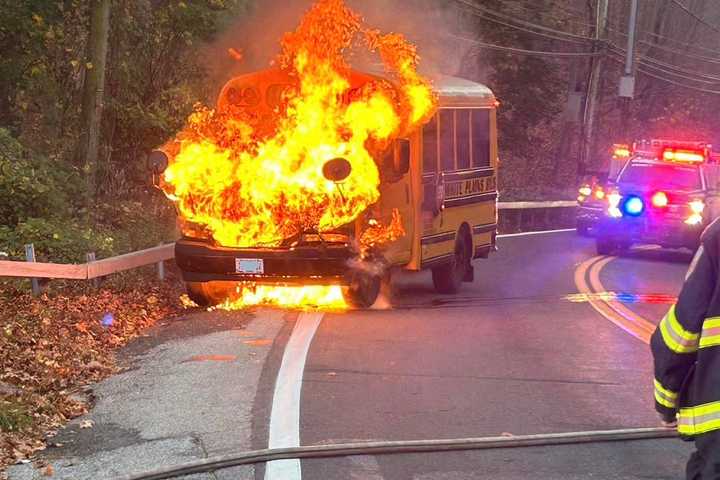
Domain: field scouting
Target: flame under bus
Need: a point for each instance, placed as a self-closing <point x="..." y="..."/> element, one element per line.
<point x="440" y="178"/>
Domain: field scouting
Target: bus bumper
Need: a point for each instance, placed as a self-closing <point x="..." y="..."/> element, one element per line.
<point x="317" y="264"/>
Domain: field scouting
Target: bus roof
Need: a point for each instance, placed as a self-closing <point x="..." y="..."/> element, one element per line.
<point x="454" y="90"/>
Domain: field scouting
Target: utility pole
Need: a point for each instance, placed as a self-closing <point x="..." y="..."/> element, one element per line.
<point x="593" y="90"/>
<point x="93" y="95"/>
<point x="627" y="81"/>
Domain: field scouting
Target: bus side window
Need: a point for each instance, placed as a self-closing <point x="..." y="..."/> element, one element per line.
<point x="481" y="138"/>
<point x="447" y="140"/>
<point x="462" y="138"/>
<point x="403" y="159"/>
<point x="430" y="146"/>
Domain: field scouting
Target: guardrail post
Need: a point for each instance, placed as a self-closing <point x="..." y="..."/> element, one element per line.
<point x="90" y="257"/>
<point x="161" y="267"/>
<point x="30" y="257"/>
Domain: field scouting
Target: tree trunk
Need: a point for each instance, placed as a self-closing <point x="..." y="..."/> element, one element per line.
<point x="93" y="94"/>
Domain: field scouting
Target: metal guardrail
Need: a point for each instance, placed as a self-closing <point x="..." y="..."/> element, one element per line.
<point x="528" y="205"/>
<point x="101" y="268"/>
<point x="90" y="270"/>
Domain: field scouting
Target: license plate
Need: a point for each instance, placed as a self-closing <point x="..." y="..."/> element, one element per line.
<point x="253" y="266"/>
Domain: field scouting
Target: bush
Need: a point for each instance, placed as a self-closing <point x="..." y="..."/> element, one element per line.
<point x="56" y="240"/>
<point x="32" y="186"/>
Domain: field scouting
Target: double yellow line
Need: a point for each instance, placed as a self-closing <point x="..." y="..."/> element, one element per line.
<point x="587" y="280"/>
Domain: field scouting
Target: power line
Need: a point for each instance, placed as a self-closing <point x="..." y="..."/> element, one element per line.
<point x="517" y="27"/>
<point x="654" y="62"/>
<point x="672" y="82"/>
<point x="679" y="43"/>
<point x="523" y="51"/>
<point x="703" y="58"/>
<point x="575" y="17"/>
<point x="694" y="15"/>
<point x="667" y="80"/>
<point x="495" y="13"/>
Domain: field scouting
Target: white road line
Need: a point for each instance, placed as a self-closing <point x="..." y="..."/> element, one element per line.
<point x="521" y="234"/>
<point x="285" y="413"/>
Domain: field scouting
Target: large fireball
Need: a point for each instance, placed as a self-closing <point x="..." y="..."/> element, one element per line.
<point x="252" y="175"/>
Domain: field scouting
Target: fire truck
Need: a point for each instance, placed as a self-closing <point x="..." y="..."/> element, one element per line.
<point x="663" y="192"/>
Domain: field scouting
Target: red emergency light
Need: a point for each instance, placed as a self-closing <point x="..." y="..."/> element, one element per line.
<point x="660" y="200"/>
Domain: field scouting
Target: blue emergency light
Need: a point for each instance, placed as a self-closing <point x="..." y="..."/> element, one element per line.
<point x="634" y="206"/>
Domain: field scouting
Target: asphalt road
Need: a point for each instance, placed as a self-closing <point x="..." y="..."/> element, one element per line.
<point x="518" y="351"/>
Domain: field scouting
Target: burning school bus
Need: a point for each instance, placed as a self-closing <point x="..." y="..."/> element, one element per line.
<point x="316" y="175"/>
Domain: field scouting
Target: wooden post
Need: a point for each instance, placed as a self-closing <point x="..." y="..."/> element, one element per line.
<point x="161" y="268"/>
<point x="30" y="257"/>
<point x="90" y="257"/>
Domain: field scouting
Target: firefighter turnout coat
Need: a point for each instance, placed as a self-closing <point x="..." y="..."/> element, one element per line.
<point x="686" y="346"/>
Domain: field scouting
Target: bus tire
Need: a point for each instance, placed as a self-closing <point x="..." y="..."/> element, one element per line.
<point x="198" y="293"/>
<point x="362" y="290"/>
<point x="448" y="278"/>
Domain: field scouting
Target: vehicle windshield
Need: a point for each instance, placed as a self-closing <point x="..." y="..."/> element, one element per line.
<point x="669" y="177"/>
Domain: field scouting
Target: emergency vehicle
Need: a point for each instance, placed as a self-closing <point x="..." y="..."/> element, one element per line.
<point x="591" y="195"/>
<point x="665" y="193"/>
<point x="441" y="178"/>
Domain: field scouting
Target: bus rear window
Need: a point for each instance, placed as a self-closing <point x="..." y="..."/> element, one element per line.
<point x="665" y="177"/>
<point x="462" y="138"/>
<point x="481" y="138"/>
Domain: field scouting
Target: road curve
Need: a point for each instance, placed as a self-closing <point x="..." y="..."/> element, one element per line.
<point x="516" y="352"/>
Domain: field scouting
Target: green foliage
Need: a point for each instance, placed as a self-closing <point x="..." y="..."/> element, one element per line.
<point x="56" y="239"/>
<point x="13" y="416"/>
<point x="155" y="74"/>
<point x="31" y="185"/>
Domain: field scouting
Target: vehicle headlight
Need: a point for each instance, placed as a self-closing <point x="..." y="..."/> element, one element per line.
<point x="193" y="230"/>
<point x="697" y="206"/>
<point x="614" y="199"/>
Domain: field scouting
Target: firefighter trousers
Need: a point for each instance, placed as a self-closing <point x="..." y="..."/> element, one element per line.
<point x="704" y="464"/>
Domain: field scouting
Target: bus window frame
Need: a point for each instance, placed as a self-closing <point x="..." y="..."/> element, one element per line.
<point x="473" y="163"/>
<point x="449" y="112"/>
<point x="469" y="139"/>
<point x="435" y="118"/>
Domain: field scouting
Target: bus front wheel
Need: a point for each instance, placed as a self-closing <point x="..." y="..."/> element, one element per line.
<point x="448" y="278"/>
<point x="198" y="293"/>
<point x="363" y="289"/>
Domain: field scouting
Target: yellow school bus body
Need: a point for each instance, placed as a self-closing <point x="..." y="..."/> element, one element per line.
<point x="453" y="192"/>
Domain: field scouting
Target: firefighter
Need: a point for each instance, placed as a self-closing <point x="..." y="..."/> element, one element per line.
<point x="686" y="350"/>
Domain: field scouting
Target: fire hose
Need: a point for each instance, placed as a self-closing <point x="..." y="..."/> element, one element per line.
<point x="404" y="447"/>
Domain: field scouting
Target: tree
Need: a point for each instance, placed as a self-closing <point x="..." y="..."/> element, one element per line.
<point x="93" y="95"/>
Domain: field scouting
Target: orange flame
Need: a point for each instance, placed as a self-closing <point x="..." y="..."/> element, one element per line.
<point x="326" y="297"/>
<point x="250" y="172"/>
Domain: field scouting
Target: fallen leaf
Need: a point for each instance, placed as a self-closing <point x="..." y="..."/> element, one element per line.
<point x="49" y="471"/>
<point x="86" y="424"/>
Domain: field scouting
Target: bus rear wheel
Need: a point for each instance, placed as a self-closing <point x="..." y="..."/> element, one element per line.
<point x="448" y="278"/>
